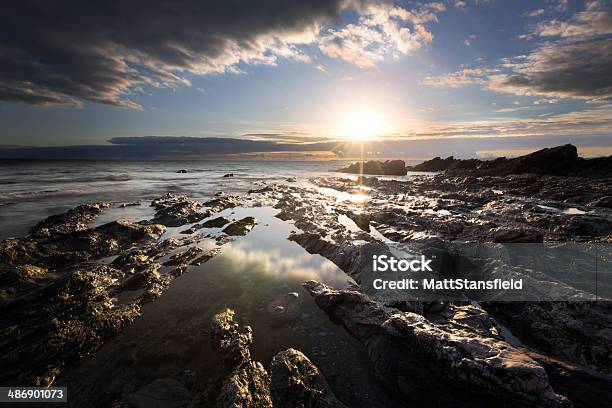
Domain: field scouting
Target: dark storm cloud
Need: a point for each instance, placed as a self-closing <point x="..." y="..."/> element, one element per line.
<point x="67" y="52"/>
<point x="576" y="70"/>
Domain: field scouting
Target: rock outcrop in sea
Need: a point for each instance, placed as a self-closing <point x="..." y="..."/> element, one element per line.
<point x="389" y="168"/>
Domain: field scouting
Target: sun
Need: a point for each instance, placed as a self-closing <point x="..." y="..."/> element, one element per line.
<point x="361" y="126"/>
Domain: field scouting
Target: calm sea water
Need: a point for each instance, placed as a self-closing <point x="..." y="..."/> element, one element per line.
<point x="33" y="190"/>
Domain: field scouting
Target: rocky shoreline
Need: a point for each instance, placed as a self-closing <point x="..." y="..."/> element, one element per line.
<point x="68" y="288"/>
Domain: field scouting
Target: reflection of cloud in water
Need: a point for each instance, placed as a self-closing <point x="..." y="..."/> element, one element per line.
<point x="242" y="258"/>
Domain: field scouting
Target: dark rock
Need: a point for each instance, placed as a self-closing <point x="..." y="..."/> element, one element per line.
<point x="576" y="331"/>
<point x="389" y="168"/>
<point x="345" y="251"/>
<point x="560" y="160"/>
<point x="182" y="171"/>
<point x="293" y="380"/>
<point x="176" y="210"/>
<point x="240" y="227"/>
<point x="504" y="234"/>
<point x="125" y="205"/>
<point x="184" y="257"/>
<point x="73" y="220"/>
<point x="223" y="202"/>
<point x="296" y="382"/>
<point x="436" y="164"/>
<point x="215" y="223"/>
<point x="228" y="175"/>
<point x="405" y="345"/>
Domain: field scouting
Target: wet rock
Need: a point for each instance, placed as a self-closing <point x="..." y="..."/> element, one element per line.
<point x="27" y="272"/>
<point x="133" y="204"/>
<point x="184" y="257"/>
<point x="73" y="220"/>
<point x="64" y="249"/>
<point x="350" y="252"/>
<point x="223" y="202"/>
<point x="182" y="171"/>
<point x="602" y="202"/>
<point x="229" y="340"/>
<point x="175" y="210"/>
<point x="296" y="382"/>
<point x="247" y="386"/>
<point x="291" y="180"/>
<point x="215" y="223"/>
<point x="284" y="308"/>
<point x="580" y="332"/>
<point x="360" y="219"/>
<point x="389" y="167"/>
<point x="293" y="380"/>
<point x="405" y="345"/>
<point x="161" y="393"/>
<point x="240" y="227"/>
<point x="64" y="319"/>
<point x="228" y="175"/>
<point x="504" y="234"/>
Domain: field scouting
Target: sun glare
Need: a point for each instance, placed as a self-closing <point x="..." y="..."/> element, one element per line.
<point x="361" y="126"/>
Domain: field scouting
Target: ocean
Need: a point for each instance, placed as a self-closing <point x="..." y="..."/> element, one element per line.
<point x="32" y="190"/>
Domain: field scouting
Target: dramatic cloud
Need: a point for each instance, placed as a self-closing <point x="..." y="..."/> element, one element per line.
<point x="63" y="53"/>
<point x="576" y="66"/>
<point x="66" y="52"/>
<point x="383" y="29"/>
<point x="559" y="70"/>
<point x="595" y="20"/>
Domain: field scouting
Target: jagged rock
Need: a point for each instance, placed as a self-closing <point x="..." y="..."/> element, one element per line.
<point x="161" y="393"/>
<point x="296" y="382"/>
<point x="233" y="344"/>
<point x="184" y="257"/>
<point x="389" y="167"/>
<point x="352" y="253"/>
<point x="580" y="332"/>
<point x="75" y="219"/>
<point x="504" y="234"/>
<point x="78" y="246"/>
<point x="396" y="341"/>
<point x="293" y="380"/>
<point x="175" y="210"/>
<point x="223" y="202"/>
<point x="560" y="160"/>
<point x="240" y="227"/>
<point x="247" y="387"/>
<point x="215" y="223"/>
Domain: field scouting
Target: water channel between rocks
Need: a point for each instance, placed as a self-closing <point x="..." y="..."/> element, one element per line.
<point x="171" y="338"/>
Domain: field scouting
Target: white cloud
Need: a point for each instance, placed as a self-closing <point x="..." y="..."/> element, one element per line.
<point x="594" y="20"/>
<point x="463" y="77"/>
<point x="469" y="40"/>
<point x="382" y="30"/>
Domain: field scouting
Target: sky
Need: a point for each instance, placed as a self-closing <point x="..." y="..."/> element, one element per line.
<point x="474" y="77"/>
